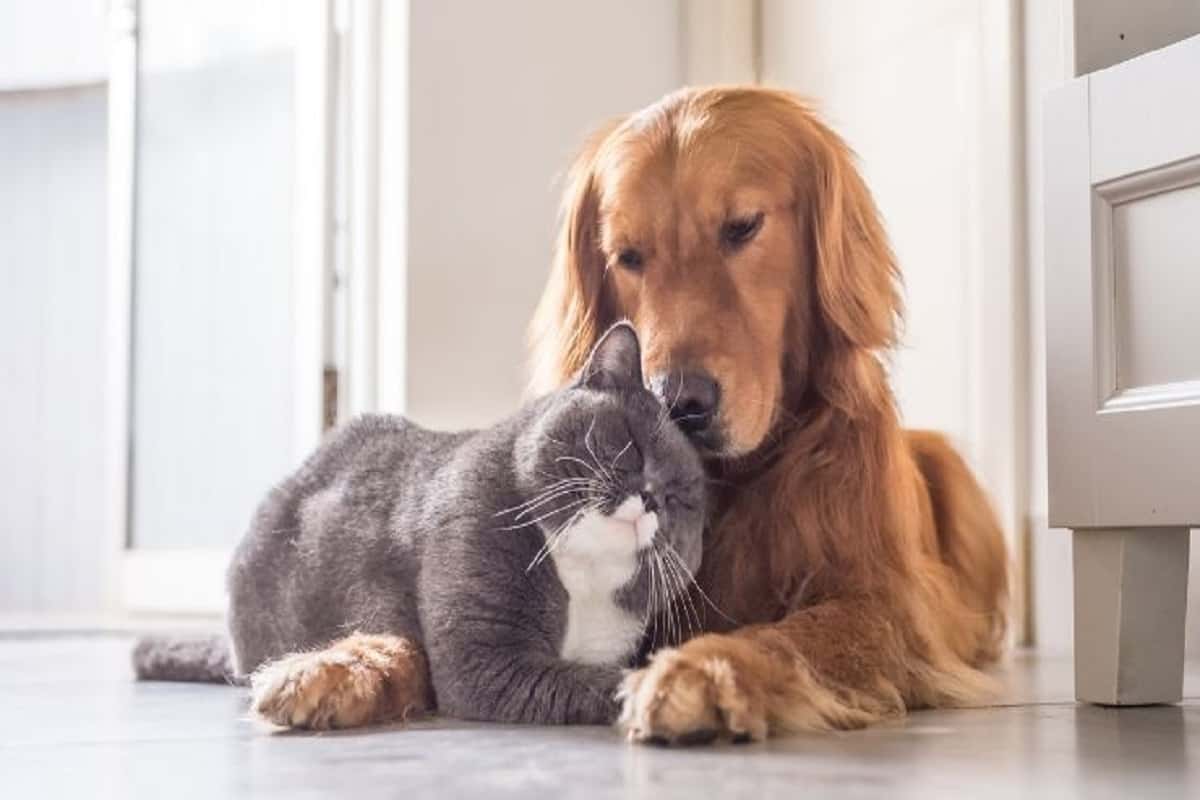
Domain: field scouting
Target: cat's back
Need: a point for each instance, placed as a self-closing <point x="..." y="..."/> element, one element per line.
<point x="338" y="540"/>
<point x="362" y="472"/>
<point x="381" y="446"/>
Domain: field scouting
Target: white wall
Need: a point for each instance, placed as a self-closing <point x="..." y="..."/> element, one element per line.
<point x="501" y="94"/>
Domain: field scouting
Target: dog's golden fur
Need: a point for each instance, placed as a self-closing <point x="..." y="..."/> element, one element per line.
<point x="863" y="561"/>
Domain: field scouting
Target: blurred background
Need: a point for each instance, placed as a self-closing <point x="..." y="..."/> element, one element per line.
<point x="225" y="226"/>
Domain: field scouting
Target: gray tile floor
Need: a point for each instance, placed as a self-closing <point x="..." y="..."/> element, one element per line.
<point x="73" y="724"/>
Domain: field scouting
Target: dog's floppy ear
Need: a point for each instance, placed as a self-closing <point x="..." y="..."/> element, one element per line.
<point x="856" y="275"/>
<point x="573" y="311"/>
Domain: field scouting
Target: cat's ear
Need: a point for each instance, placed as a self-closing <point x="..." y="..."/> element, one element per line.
<point x="616" y="360"/>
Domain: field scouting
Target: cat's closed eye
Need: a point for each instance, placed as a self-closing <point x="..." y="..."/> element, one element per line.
<point x="628" y="460"/>
<point x="675" y="500"/>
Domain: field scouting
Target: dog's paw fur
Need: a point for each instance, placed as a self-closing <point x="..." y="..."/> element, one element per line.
<point x="684" y="699"/>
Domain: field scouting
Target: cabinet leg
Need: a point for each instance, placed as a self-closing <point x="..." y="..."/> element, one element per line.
<point x="1130" y="602"/>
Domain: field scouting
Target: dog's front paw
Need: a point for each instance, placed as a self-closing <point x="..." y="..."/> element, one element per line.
<point x="691" y="696"/>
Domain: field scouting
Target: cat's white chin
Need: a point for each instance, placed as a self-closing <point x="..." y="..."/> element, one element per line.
<point x="643" y="524"/>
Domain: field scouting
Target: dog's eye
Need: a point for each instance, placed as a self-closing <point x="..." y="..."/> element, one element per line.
<point x="736" y="232"/>
<point x="630" y="259"/>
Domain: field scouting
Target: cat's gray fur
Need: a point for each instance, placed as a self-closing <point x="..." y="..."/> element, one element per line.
<point x="392" y="528"/>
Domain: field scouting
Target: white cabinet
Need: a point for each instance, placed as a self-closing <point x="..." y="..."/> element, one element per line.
<point x="1122" y="152"/>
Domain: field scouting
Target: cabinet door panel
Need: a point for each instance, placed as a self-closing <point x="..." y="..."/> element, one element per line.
<point x="1123" y="293"/>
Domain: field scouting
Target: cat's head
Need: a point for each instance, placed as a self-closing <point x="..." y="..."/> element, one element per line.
<point x="604" y="450"/>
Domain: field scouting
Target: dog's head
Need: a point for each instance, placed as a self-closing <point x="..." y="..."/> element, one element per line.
<point x="732" y="228"/>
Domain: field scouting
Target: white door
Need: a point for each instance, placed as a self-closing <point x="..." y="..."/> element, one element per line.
<point x="1123" y="362"/>
<point x="220" y="270"/>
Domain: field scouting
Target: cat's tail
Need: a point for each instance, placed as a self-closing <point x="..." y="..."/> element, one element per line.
<point x="201" y="659"/>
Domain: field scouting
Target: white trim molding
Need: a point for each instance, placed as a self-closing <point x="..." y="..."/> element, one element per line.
<point x="1111" y="395"/>
<point x="391" y="227"/>
<point x="720" y="41"/>
<point x="312" y="222"/>
<point x="122" y="131"/>
<point x="1001" y="289"/>
<point x="185" y="581"/>
<point x="362" y="318"/>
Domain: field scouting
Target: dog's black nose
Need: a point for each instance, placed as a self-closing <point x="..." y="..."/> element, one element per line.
<point x="692" y="400"/>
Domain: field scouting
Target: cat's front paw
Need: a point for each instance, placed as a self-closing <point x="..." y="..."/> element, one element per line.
<point x="689" y="697"/>
<point x="357" y="681"/>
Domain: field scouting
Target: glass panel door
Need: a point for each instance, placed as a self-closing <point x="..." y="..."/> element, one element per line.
<point x="211" y="419"/>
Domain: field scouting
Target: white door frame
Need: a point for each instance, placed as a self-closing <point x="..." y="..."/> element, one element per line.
<point x="1001" y="424"/>
<point x="192" y="581"/>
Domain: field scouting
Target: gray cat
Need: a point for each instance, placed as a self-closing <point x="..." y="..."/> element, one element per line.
<point x="526" y="559"/>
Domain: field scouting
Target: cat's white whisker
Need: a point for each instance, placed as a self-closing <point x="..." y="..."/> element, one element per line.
<point x="587" y="441"/>
<point x="664" y="600"/>
<point x="545" y="516"/>
<point x="565" y="492"/>
<point x="699" y="590"/>
<point x="559" y="535"/>
<point x="672" y="579"/>
<point x="653" y="613"/>
<point x="676" y="608"/>
<point x="617" y="457"/>
<point x="572" y="459"/>
<point x="548" y="494"/>
<point x="687" y="608"/>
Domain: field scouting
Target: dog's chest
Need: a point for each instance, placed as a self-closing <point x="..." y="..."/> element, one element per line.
<point x="595" y="559"/>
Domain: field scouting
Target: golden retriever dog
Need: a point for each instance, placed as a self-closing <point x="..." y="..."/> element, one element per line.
<point x="861" y="562"/>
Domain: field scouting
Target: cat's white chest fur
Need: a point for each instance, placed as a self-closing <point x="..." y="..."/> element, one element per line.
<point x="596" y="558"/>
